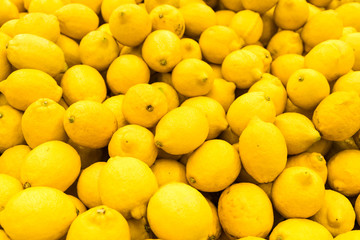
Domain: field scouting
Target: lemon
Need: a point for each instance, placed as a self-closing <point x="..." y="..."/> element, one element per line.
<point x="248" y="25"/>
<point x="217" y="42"/>
<point x="262" y="53"/>
<point x="36" y="125"/>
<point x="131" y="50"/>
<point x="71" y="50"/>
<point x="87" y="155"/>
<point x="298" y="192"/>
<point x="9" y="27"/>
<point x="45" y="6"/>
<point x="285" y="65"/>
<point x="313" y="160"/>
<point x="192" y="77"/>
<point x="357" y="209"/>
<point x="290" y="14"/>
<point x="343" y="172"/>
<point x="144" y="105"/>
<point x="170" y="93"/>
<point x="90" y="124"/>
<point x="8" y="11"/>
<point x="40" y="24"/>
<point x="181" y="130"/>
<point x="80" y="207"/>
<point x="251" y="238"/>
<point x="139" y="229"/>
<point x="216" y="229"/>
<point x="347" y="30"/>
<point x="187" y="213"/>
<point x="323" y="146"/>
<point x="108" y="6"/>
<point x="229" y="136"/>
<point x="87" y="185"/>
<point x="206" y="173"/>
<point x="332" y="58"/>
<point x="95" y="5"/>
<point x="114" y="103"/>
<point x="223" y="17"/>
<point x="76" y="20"/>
<point x="353" y="40"/>
<point x="248" y="105"/>
<point x="291" y="107"/>
<point x="125" y="72"/>
<point x="259" y="6"/>
<point x="242" y="67"/>
<point x="269" y="27"/>
<point x="321" y="27"/>
<point x="273" y="88"/>
<point x="245" y="210"/>
<point x="10" y="122"/>
<point x="168" y="170"/>
<point x="3" y="100"/>
<point x="31" y="51"/>
<point x="223" y="92"/>
<point x="126" y="184"/>
<point x="336" y="213"/>
<point x="297" y="229"/>
<point x="190" y="48"/>
<point x="320" y="3"/>
<point x="169" y="18"/>
<point x="285" y="42"/>
<point x="130" y="24"/>
<point x="9" y="187"/>
<point x="233" y="5"/>
<point x="263" y="151"/>
<point x="351" y="235"/>
<point x="349" y="13"/>
<point x="26" y="214"/>
<point x="3" y="235"/>
<point x="5" y="66"/>
<point x="198" y="17"/>
<point x="12" y="159"/>
<point x="151" y="4"/>
<point x="338" y="109"/>
<point x="348" y="82"/>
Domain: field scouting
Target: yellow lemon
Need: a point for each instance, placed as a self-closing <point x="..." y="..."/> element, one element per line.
<point x="126" y="184"/>
<point x="125" y="72"/>
<point x="45" y="6"/>
<point x="290" y="14"/>
<point x="309" y="83"/>
<point x="291" y="107"/>
<point x="169" y="18"/>
<point x="251" y="238"/>
<point x="206" y="172"/>
<point x="198" y="17"/>
<point x="242" y="67"/>
<point x="298" y="192"/>
<point x="90" y="124"/>
<point x="229" y="136"/>
<point x="80" y="207"/>
<point x="333" y="58"/>
<point x="130" y="24"/>
<point x="151" y="4"/>
<point x="269" y="27"/>
<point x="323" y="146"/>
<point x="320" y="3"/>
<point x="223" y="17"/>
<point x="353" y="40"/>
<point x="87" y="155"/>
<point x="144" y="105"/>
<point x="108" y="6"/>
<point x="26" y="214"/>
<point x="98" y="49"/>
<point x="245" y="210"/>
<point x="351" y="235"/>
<point x="321" y="27"/>
<point x="312" y="160"/>
<point x="101" y="223"/>
<point x="3" y="235"/>
<point x="248" y="25"/>
<point x="83" y="82"/>
<point x="3" y="100"/>
<point x="248" y="105"/>
<point x="285" y="42"/>
<point x="285" y="65"/>
<point x="170" y="93"/>
<point x="93" y="4"/>
<point x="40" y="24"/>
<point x="139" y="229"/>
<point x="187" y="213"/>
<point x="190" y="48"/>
<point x="131" y="50"/>
<point x="338" y="109"/>
<point x="9" y="27"/>
<point x="336" y="214"/>
<point x="71" y="50"/>
<point x="232" y="5"/>
<point x="343" y="172"/>
<point x="357" y="209"/>
<point x="349" y="14"/>
<point x="192" y="77"/>
<point x="223" y="92"/>
<point x="262" y="53"/>
<point x="8" y="11"/>
<point x="9" y="187"/>
<point x="273" y="88"/>
<point x="263" y="151"/>
<point x="88" y="186"/>
<point x="168" y="170"/>
<point x="297" y="229"/>
<point x="5" y="66"/>
<point x="217" y="42"/>
<point x="36" y="125"/>
<point x="348" y="30"/>
<point x="181" y="130"/>
<point x="114" y="103"/>
<point x="31" y="51"/>
<point x="216" y="229"/>
<point x="51" y="164"/>
<point x="12" y="159"/>
<point x="348" y="82"/>
<point x="10" y="122"/>
<point x="76" y="20"/>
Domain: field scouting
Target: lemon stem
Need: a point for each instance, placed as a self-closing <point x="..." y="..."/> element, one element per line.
<point x="158" y="144"/>
<point x="101" y="211"/>
<point x="149" y="108"/>
<point x="192" y="180"/>
<point x="71" y="119"/>
<point x="27" y="185"/>
<point x="163" y="62"/>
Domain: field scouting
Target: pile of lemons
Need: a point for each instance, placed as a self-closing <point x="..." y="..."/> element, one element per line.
<point x="179" y="119"/>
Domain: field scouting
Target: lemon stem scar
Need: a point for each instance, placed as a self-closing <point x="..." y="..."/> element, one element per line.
<point x="71" y="119"/>
<point x="147" y="228"/>
<point x="161" y="15"/>
<point x="279" y="238"/>
<point x="1" y="115"/>
<point x="301" y="79"/>
<point x="204" y="79"/>
<point x="27" y="185"/>
<point x="212" y="237"/>
<point x="267" y="98"/>
<point x="163" y="62"/>
<point x="45" y="103"/>
<point x="101" y="211"/>
<point x="158" y="144"/>
<point x="77" y="212"/>
<point x="149" y="108"/>
<point x="192" y="180"/>
<point x="320" y="158"/>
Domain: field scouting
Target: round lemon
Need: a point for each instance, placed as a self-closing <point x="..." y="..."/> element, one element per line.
<point x="8" y="11"/>
<point x="223" y="92"/>
<point x="9" y="187"/>
<point x="151" y="4"/>
<point x="10" y="131"/>
<point x="93" y="4"/>
<point x="170" y="93"/>
<point x="348" y="82"/>
<point x="71" y="50"/>
<point x="262" y="53"/>
<point x="223" y="17"/>
<point x="285" y="65"/>
<point x="233" y="5"/>
<point x="190" y="48"/>
<point x="12" y="159"/>
<point x="48" y="6"/>
<point x="291" y="14"/>
<point x="349" y="14"/>
<point x="320" y="3"/>
<point x="285" y="42"/>
<point x="114" y="103"/>
<point x="108" y="6"/>
<point x="168" y="170"/>
<point x="351" y="235"/>
<point x="248" y="25"/>
<point x="259" y="6"/>
<point x="8" y="27"/>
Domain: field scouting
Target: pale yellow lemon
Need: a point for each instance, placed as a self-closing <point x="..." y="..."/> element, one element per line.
<point x="223" y="92"/>
<point x="108" y="6"/>
<point x="349" y="14"/>
<point x="248" y="25"/>
<point x="12" y="159"/>
<point x="168" y="170"/>
<point x="348" y="82"/>
<point x="170" y="93"/>
<point x="290" y="14"/>
<point x="71" y="50"/>
<point x="353" y="40"/>
<point x="8" y="11"/>
<point x="10" y="131"/>
<point x="262" y="53"/>
<point x="223" y="17"/>
<point x="285" y="42"/>
<point x="114" y="103"/>
<point x="285" y="65"/>
<point x="5" y="66"/>
<point x="190" y="48"/>
<point x="9" y="187"/>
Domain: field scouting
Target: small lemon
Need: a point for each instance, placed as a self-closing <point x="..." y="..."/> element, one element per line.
<point x="108" y="6"/>
<point x="47" y="6"/>
<point x="262" y="53"/>
<point x="125" y="72"/>
<point x="269" y="27"/>
<point x="168" y="170"/>
<point x="126" y="184"/>
<point x="242" y="67"/>
<point x="248" y="105"/>
<point x="322" y="146"/>
<point x="170" y="93"/>
<point x="181" y="130"/>
<point x="8" y="11"/>
<point x="192" y="77"/>
<point x="285" y="65"/>
<point x="216" y="229"/>
<point x="114" y="103"/>
<point x="187" y="213"/>
<point x="190" y="48"/>
<point x="139" y="229"/>
<point x="71" y="50"/>
<point x="223" y="92"/>
<point x="90" y="124"/>
<point x="162" y="50"/>
<point x="353" y="40"/>
<point x="349" y="14"/>
<point x="10" y="122"/>
<point x="5" y="66"/>
<point x="336" y="214"/>
<point x="248" y="25"/>
<point x="291" y="14"/>
<point x="285" y="42"/>
<point x="263" y="151"/>
<point x="87" y="185"/>
<point x="338" y="109"/>
<point x="351" y="235"/>
<point x="12" y="159"/>
<point x="93" y="4"/>
<point x="38" y="127"/>
<point x="348" y="82"/>
<point x="245" y="210"/>
<point x="224" y="17"/>
<point x="87" y="155"/>
<point x="9" y="187"/>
